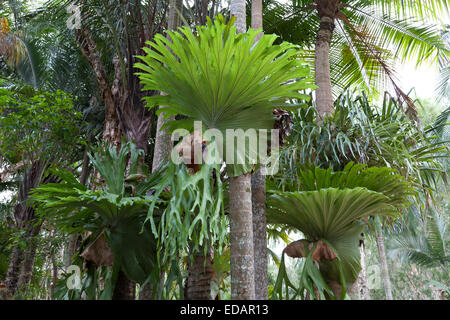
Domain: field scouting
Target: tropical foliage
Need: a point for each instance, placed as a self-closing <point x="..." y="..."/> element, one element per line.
<point x="110" y="189"/>
<point x="327" y="207"/>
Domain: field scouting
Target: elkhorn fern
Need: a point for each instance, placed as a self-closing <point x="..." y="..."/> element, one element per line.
<point x="221" y="78"/>
<point x="329" y="208"/>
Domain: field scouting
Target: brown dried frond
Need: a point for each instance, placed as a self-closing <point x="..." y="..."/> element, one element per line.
<point x="302" y="248"/>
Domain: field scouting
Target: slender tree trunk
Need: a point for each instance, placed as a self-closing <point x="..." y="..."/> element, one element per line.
<point x="257" y="20"/>
<point x="260" y="234"/>
<point x="201" y="272"/>
<point x="163" y="142"/>
<point x="115" y="97"/>
<point x="241" y="229"/>
<point x="362" y="278"/>
<point x="259" y="199"/>
<point x="237" y="9"/>
<point x="54" y="274"/>
<point x="383" y="261"/>
<point x="21" y="262"/>
<point x="241" y="238"/>
<point x="327" y="10"/>
<point x="360" y="289"/>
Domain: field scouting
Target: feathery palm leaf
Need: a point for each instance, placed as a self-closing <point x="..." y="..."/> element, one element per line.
<point x="368" y="35"/>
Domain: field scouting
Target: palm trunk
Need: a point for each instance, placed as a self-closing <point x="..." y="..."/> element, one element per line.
<point x="201" y="272"/>
<point x="241" y="239"/>
<point x="163" y="142"/>
<point x="324" y="98"/>
<point x="118" y="102"/>
<point x="111" y="128"/>
<point x="257" y="21"/>
<point x="383" y="261"/>
<point x="362" y="279"/>
<point x="241" y="227"/>
<point x="259" y="199"/>
<point x="260" y="234"/>
<point x="237" y="9"/>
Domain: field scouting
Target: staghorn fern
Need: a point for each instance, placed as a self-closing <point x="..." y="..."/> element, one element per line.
<point x="223" y="79"/>
<point x="118" y="209"/>
<point x="328" y="207"/>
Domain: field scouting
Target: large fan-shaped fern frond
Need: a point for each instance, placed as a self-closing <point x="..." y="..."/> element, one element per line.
<point x="221" y="78"/>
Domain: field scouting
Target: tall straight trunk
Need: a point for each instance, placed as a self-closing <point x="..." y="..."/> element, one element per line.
<point x="201" y="272"/>
<point x="241" y="228"/>
<point x="259" y="199"/>
<point x="257" y="20"/>
<point x="163" y="142"/>
<point x="360" y="289"/>
<point x="237" y="9"/>
<point x="241" y="239"/>
<point x="327" y="10"/>
<point x="260" y="235"/>
<point x="364" y="290"/>
<point x="54" y="264"/>
<point x="383" y="261"/>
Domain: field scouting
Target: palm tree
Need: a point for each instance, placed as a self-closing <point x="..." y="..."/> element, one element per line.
<point x="354" y="40"/>
<point x="221" y="106"/>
